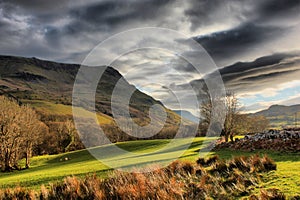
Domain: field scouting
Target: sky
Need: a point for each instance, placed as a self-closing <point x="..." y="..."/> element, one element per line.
<point x="254" y="44"/>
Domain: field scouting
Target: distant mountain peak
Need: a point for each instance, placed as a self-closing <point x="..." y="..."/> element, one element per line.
<point x="280" y="115"/>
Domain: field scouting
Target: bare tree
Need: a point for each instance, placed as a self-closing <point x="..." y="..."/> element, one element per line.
<point x="231" y="120"/>
<point x="19" y="131"/>
<point x="71" y="132"/>
<point x="31" y="130"/>
<point x="10" y="135"/>
<point x="232" y="112"/>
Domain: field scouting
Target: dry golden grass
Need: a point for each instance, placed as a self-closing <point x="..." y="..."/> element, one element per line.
<point x="221" y="179"/>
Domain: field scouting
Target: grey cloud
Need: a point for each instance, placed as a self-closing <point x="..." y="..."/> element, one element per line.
<point x="264" y="72"/>
<point x="38" y="6"/>
<point x="207" y="12"/>
<point x="260" y="65"/>
<point x="271" y="75"/>
<point x="244" y="38"/>
<point x="253" y="23"/>
<point x="184" y="67"/>
<point x="274" y="9"/>
<point x="109" y="14"/>
<point x="63" y="24"/>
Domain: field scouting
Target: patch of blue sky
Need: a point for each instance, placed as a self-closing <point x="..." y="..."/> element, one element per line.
<point x="280" y="95"/>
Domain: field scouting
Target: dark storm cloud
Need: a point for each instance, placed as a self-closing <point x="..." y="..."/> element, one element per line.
<point x="238" y="40"/>
<point x="101" y="13"/>
<point x="64" y="28"/>
<point x="107" y="15"/>
<point x="253" y="24"/>
<point x="270" y="10"/>
<point x="40" y="12"/>
<point x="206" y="12"/>
<point x="38" y="6"/>
<point x="259" y="65"/>
<point x="264" y="72"/>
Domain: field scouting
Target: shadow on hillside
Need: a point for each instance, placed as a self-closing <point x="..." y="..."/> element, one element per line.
<point x="110" y="154"/>
<point x="141" y="145"/>
<point x="78" y="156"/>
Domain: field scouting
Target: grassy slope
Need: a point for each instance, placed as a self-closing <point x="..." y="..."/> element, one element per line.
<point x="60" y="109"/>
<point x="50" y="168"/>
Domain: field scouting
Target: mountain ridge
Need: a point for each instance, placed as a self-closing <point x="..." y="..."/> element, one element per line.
<point x="187" y="115"/>
<point x="33" y="79"/>
<point x="281" y="115"/>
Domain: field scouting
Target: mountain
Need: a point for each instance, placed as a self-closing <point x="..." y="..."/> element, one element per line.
<point x="280" y="115"/>
<point x="48" y="85"/>
<point x="187" y="115"/>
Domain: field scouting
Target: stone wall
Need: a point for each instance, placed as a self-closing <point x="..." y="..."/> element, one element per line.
<point x="276" y="140"/>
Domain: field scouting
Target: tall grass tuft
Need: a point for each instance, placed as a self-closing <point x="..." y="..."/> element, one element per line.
<point x="210" y="178"/>
<point x="269" y="194"/>
<point x="207" y="162"/>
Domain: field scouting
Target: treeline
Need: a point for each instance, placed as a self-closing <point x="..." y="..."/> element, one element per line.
<point x="24" y="133"/>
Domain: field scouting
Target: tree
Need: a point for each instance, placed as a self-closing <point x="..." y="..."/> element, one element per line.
<point x="73" y="136"/>
<point x="31" y="129"/>
<point x="257" y="124"/>
<point x="231" y="119"/>
<point x="235" y="122"/>
<point x="231" y="115"/>
<point x="20" y="130"/>
<point x="9" y="133"/>
<point x="242" y="124"/>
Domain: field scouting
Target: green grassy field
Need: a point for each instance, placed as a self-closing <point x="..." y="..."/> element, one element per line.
<point x="53" y="168"/>
<point x="286" y="177"/>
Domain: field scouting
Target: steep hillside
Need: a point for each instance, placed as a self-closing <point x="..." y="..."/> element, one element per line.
<point x="48" y="87"/>
<point x="281" y="116"/>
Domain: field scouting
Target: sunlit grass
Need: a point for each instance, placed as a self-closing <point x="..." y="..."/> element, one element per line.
<point x="61" y="109"/>
<point x="52" y="168"/>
